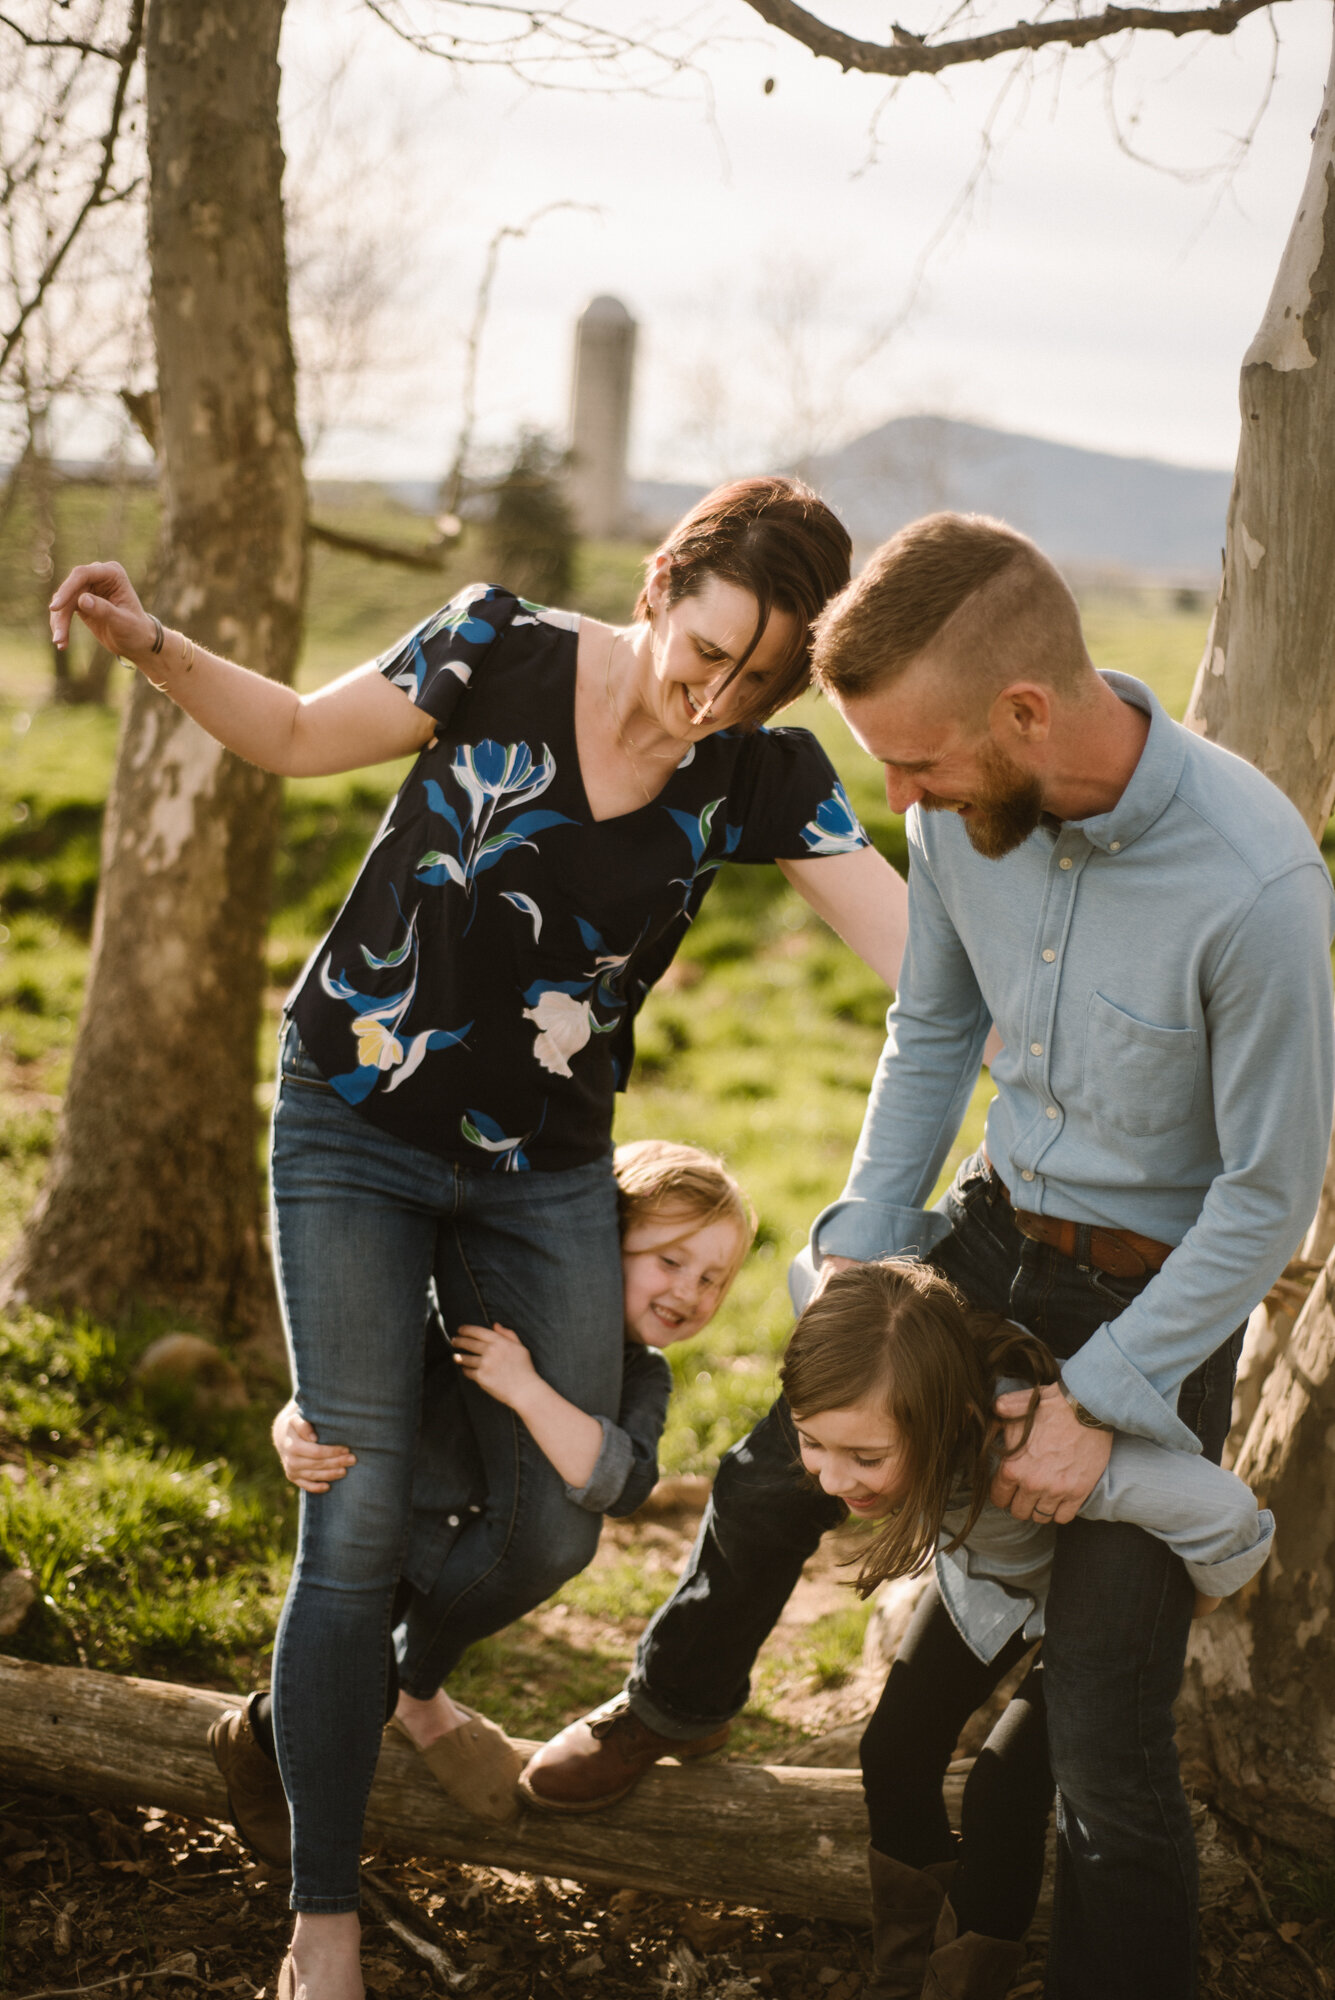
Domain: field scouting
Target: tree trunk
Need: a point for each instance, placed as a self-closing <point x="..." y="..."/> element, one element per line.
<point x="153" y="1194"/>
<point x="1261" y="1677"/>
<point x="775" y="1837"/>
<point x="1261" y="1682"/>
<point x="1264" y="687"/>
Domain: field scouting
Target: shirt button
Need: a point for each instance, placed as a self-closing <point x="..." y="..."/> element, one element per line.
<point x="1114" y="846"/>
<point x="1065" y="861"/>
<point x="1048" y="957"/>
<point x="1026" y="1173"/>
<point x="1052" y="1111"/>
<point x="454" y="1520"/>
<point x="1035" y="1048"/>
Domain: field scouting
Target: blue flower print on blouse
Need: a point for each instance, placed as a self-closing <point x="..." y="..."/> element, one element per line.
<point x="417" y="675"/>
<point x="697" y="827"/>
<point x="381" y="1050"/>
<point x="496" y="778"/>
<point x="508" y="1155"/>
<point x="835" y="828"/>
<point x="476" y="995"/>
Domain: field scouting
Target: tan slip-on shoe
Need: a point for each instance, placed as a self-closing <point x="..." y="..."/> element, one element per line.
<point x="597" y="1760"/>
<point x="476" y="1765"/>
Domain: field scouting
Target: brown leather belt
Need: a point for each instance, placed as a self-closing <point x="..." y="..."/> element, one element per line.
<point x="1122" y="1253"/>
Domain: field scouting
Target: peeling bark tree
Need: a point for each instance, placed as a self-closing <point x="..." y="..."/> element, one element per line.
<point x="1261" y="1685"/>
<point x="153" y="1192"/>
<point x="1262" y="1676"/>
<point x="1265" y="687"/>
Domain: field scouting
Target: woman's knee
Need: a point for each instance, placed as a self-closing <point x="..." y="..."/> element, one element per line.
<point x="353" y="1537"/>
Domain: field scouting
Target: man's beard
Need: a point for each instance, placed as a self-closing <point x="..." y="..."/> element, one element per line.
<point x="1007" y="805"/>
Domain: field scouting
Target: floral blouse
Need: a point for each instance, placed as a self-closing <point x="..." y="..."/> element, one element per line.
<point x="477" y="992"/>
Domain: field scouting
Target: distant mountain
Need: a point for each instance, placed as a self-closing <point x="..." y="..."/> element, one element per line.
<point x="1087" y="509"/>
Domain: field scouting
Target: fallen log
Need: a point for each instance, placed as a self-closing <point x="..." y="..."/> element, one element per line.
<point x="771" y="1837"/>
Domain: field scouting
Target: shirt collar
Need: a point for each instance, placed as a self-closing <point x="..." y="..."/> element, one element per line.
<point x="1153" y="783"/>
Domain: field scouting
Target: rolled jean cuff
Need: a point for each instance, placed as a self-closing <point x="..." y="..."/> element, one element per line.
<point x="324" y="1906"/>
<point x="679" y="1728"/>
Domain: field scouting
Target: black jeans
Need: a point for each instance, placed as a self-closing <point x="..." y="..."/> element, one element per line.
<point x="933" y="1688"/>
<point x="1118" y="1615"/>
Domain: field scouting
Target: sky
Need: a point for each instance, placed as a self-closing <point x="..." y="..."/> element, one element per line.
<point x="789" y="256"/>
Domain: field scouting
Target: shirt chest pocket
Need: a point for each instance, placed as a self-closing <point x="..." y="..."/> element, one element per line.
<point x="1139" y="1077"/>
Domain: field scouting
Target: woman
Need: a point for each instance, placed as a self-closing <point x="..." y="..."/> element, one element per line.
<point x="444" y="1113"/>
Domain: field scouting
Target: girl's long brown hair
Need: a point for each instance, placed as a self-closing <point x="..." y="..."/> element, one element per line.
<point x="898" y="1332"/>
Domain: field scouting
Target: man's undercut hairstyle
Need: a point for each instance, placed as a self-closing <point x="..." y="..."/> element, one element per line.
<point x="977" y="590"/>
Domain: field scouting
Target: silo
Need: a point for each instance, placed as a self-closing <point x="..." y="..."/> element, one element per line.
<point x="600" y="416"/>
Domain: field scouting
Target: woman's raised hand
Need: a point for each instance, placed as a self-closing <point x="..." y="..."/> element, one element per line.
<point x="106" y="600"/>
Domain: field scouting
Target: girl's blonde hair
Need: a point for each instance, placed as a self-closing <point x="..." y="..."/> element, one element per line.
<point x="656" y="1178"/>
<point x="898" y="1331"/>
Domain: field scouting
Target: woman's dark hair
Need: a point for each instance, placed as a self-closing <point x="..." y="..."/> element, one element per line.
<point x="776" y="539"/>
<point x="898" y="1330"/>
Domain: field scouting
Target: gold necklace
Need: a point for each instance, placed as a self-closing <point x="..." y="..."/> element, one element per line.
<point x="626" y="750"/>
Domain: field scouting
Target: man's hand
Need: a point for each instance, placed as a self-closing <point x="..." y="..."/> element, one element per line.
<point x="1051" y="1478"/>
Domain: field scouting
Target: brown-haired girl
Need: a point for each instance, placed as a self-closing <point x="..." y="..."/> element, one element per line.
<point x="892" y="1381"/>
<point x="452" y="1051"/>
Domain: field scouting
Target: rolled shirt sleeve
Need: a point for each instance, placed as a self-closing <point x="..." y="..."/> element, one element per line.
<point x="626" y="1470"/>
<point x="996" y="1584"/>
<point x="1208" y="1517"/>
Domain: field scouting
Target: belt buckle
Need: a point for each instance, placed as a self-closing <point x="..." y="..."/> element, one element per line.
<point x="1120" y="1259"/>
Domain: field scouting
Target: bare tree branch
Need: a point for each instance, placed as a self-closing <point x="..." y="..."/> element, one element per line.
<point x="509" y="231"/>
<point x="907" y="56"/>
<point x="432" y="557"/>
<point x="58" y="41"/>
<point x="529" y="41"/>
<point x="97" y="196"/>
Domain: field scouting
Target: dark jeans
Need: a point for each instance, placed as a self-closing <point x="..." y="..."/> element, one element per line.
<point x="1118" y="1615"/>
<point x="931" y="1691"/>
<point x="366" y="1229"/>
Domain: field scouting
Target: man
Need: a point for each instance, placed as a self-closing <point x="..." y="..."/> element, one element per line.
<point x="1147" y="921"/>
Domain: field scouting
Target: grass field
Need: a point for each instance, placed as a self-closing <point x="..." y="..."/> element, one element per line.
<point x="159" y="1542"/>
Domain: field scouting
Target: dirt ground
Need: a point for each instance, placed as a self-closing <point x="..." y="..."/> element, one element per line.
<point x="135" y="1901"/>
<point x="132" y="1901"/>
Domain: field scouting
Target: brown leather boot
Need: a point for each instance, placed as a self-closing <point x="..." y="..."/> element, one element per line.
<point x="969" y="1966"/>
<point x="255" y="1796"/>
<point x="906" y="1906"/>
<point x="597" y="1760"/>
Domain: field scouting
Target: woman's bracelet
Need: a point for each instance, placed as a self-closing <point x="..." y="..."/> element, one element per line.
<point x="159" y="640"/>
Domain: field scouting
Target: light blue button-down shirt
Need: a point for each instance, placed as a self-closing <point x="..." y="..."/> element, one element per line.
<point x="1160" y="976"/>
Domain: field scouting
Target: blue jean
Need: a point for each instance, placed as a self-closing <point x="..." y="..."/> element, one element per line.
<point x="1118" y="1615"/>
<point x="368" y="1232"/>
